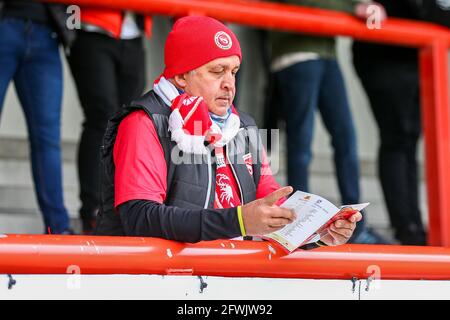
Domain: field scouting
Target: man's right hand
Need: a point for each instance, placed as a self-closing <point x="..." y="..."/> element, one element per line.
<point x="262" y="216"/>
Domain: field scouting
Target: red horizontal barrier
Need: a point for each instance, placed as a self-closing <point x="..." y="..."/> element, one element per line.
<point x="52" y="254"/>
<point x="283" y="17"/>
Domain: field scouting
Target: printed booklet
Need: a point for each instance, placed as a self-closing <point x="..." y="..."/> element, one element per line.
<point x="314" y="216"/>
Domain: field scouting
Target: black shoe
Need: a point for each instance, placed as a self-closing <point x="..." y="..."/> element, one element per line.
<point x="65" y="232"/>
<point x="89" y="221"/>
<point x="89" y="226"/>
<point x="68" y="232"/>
<point x="368" y="236"/>
<point x="412" y="238"/>
<point x="412" y="234"/>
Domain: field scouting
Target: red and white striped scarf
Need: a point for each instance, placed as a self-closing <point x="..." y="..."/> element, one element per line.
<point x="190" y="124"/>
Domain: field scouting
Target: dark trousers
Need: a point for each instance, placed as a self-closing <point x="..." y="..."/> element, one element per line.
<point x="305" y="88"/>
<point x="393" y="91"/>
<point x="108" y="73"/>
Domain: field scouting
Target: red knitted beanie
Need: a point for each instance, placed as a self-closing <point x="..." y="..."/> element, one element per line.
<point x="195" y="41"/>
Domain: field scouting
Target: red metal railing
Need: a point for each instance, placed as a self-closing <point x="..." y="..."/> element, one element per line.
<point x="43" y="254"/>
<point x="111" y="255"/>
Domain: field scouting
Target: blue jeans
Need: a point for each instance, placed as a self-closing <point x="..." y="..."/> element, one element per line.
<point x="29" y="55"/>
<point x="304" y="88"/>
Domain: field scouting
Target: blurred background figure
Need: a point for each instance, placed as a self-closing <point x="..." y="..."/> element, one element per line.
<point x="30" y="34"/>
<point x="437" y="11"/>
<point x="107" y="61"/>
<point x="396" y="107"/>
<point x="307" y="77"/>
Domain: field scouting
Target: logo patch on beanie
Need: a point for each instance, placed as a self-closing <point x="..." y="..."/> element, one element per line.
<point x="223" y="40"/>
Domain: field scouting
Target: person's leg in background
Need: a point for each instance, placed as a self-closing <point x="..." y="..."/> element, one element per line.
<point x="38" y="83"/>
<point x="338" y="120"/>
<point x="395" y="105"/>
<point x="272" y="107"/>
<point x="93" y="62"/>
<point x="131" y="70"/>
<point x="12" y="45"/>
<point x="298" y="89"/>
<point x="337" y="117"/>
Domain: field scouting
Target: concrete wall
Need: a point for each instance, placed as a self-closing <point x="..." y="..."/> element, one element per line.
<point x="187" y="288"/>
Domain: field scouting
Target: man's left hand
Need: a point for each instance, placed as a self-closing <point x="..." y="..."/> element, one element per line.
<point x="340" y="231"/>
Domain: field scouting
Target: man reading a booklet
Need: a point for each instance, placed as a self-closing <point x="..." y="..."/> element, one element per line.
<point x="181" y="163"/>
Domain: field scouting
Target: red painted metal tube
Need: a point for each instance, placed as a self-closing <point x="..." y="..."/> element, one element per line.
<point x="52" y="254"/>
<point x="283" y="17"/>
<point x="435" y="119"/>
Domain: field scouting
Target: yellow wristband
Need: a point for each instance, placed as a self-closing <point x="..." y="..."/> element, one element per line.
<point x="241" y="221"/>
<point x="320" y="243"/>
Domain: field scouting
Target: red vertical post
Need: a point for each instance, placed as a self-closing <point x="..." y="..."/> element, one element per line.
<point x="436" y="125"/>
